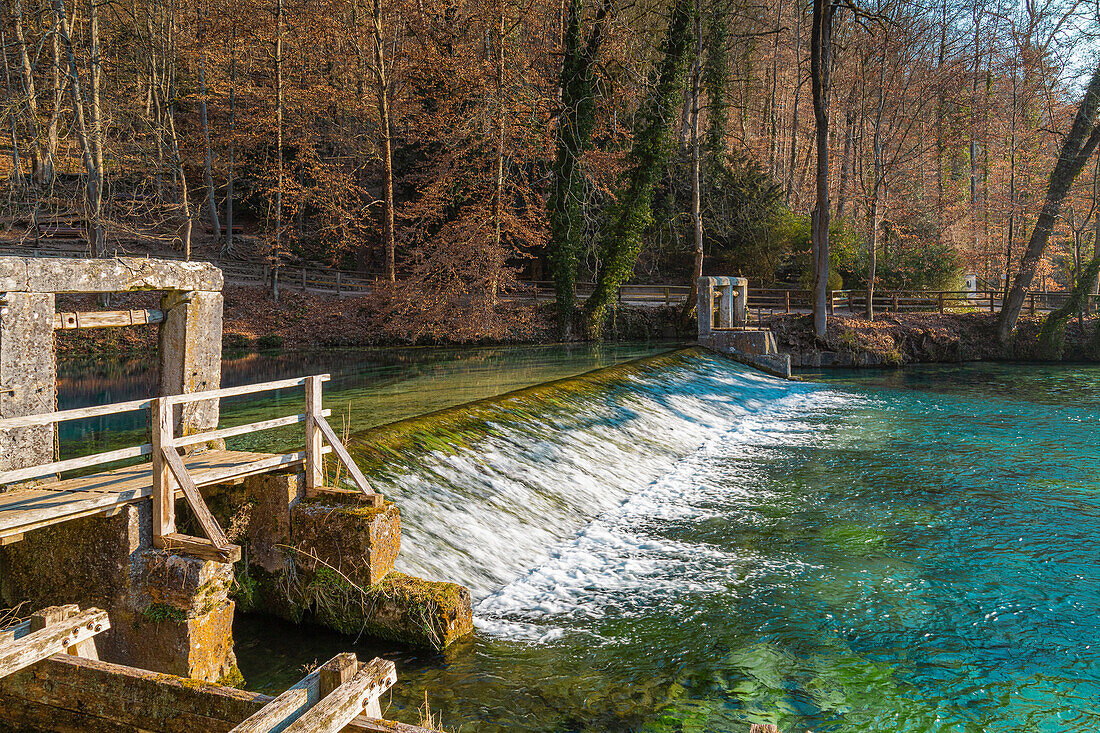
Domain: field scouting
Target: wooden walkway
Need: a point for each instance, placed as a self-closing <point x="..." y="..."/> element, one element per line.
<point x="25" y="510"/>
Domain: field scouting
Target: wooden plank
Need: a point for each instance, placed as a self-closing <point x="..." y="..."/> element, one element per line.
<point x="348" y="701"/>
<point x="105" y="319"/>
<point x="252" y="427"/>
<point x="48" y="418"/>
<point x="368" y="724"/>
<point x="198" y="505"/>
<point x="56" y="614"/>
<point x="100" y="696"/>
<point x="163" y="489"/>
<point x="342" y="453"/>
<point x="335" y="672"/>
<point x="314" y="462"/>
<point x="58" y="637"/>
<point x="71" y="464"/>
<point x="209" y="394"/>
<point x="29" y="509"/>
<point x="217" y="476"/>
<point x="198" y="547"/>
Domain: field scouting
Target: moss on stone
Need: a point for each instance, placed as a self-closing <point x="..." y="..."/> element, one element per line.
<point x="160" y="612"/>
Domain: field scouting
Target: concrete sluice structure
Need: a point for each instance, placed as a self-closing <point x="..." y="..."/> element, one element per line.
<point x="110" y="541"/>
<point x="722" y="308"/>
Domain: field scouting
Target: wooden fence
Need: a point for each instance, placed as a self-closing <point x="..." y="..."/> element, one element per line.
<point x="344" y="283"/>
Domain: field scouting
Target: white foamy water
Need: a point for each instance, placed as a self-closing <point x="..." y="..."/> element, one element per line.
<point x="545" y="520"/>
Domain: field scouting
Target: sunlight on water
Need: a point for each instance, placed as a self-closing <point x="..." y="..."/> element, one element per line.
<point x="700" y="546"/>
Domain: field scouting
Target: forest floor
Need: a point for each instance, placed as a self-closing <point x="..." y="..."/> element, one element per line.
<point x="893" y="339"/>
<point x="302" y="322"/>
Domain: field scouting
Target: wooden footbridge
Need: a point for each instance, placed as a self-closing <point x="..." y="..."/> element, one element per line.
<point x="157" y="599"/>
<point x="168" y="475"/>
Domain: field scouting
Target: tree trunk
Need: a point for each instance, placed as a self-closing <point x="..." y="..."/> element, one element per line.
<point x="773" y="133"/>
<point x="208" y="175"/>
<point x="696" y="177"/>
<point x="794" y="111"/>
<point x="386" y="143"/>
<point x="232" y="138"/>
<point x="17" y="168"/>
<point x="820" y="63"/>
<point x="29" y="89"/>
<point x="1077" y="146"/>
<point x="278" y="146"/>
<point x="80" y="130"/>
<point x="496" y="259"/>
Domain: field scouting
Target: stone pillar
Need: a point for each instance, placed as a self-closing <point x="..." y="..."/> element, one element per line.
<point x="191" y="353"/>
<point x="169" y="613"/>
<point x="725" y="304"/>
<point x="28" y="376"/>
<point x="704" y="306"/>
<point x="740" y="291"/>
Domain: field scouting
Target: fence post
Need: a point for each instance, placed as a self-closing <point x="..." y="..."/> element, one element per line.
<point x="303" y="278"/>
<point x="314" y="466"/>
<point x="164" y="487"/>
<point x="337" y="283"/>
<point x="832" y="303"/>
<point x="1031" y="297"/>
<point x="941" y="303"/>
<point x="895" y="302"/>
<point x="991" y="294"/>
<point x="787" y="300"/>
<point x="667" y="303"/>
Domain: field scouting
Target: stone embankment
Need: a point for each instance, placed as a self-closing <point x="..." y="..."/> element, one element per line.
<point x="919" y="338"/>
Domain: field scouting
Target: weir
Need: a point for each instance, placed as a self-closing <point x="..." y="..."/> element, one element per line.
<point x="164" y="546"/>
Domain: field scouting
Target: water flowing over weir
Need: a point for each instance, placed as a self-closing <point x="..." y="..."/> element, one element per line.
<point x="684" y="544"/>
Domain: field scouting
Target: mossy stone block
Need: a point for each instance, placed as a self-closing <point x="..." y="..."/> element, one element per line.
<point x="361" y="542"/>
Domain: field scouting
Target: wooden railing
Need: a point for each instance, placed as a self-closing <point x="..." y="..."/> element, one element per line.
<point x="169" y="473"/>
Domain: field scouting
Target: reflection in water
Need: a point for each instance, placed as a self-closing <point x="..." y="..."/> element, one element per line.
<point x="700" y="546"/>
<point x="369" y="387"/>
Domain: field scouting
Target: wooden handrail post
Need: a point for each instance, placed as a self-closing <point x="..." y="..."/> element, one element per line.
<point x="941" y="303"/>
<point x="337" y="283"/>
<point x="164" y="486"/>
<point x="1031" y="297"/>
<point x="314" y="457"/>
<point x="787" y="300"/>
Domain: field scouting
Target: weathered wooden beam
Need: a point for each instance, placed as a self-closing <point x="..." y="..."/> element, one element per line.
<point x="54" y="638"/>
<point x="377" y="725"/>
<point x="194" y="499"/>
<point x="347" y="702"/>
<point x="162" y="430"/>
<point x="278" y="714"/>
<point x="210" y="394"/>
<point x="45" y="617"/>
<point x="219" y="475"/>
<point x="49" y="418"/>
<point x="71" y="464"/>
<point x="251" y="427"/>
<point x="105" y="319"/>
<point x="66" y="693"/>
<point x="314" y="460"/>
<point x="341" y="452"/>
<point x="198" y="547"/>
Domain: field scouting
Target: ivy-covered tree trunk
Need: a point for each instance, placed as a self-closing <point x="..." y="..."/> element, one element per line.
<point x="1052" y="337"/>
<point x="632" y="212"/>
<point x="575" y="122"/>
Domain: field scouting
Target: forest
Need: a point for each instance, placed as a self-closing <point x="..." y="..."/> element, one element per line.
<point x="452" y="149"/>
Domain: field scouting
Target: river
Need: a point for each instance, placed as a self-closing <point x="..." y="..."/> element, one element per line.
<point x="684" y="544"/>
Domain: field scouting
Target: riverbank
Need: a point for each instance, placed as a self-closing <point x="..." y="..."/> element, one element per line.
<point x="895" y="339"/>
<point x="305" y="322"/>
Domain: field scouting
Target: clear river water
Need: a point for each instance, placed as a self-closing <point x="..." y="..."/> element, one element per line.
<point x="683" y="544"/>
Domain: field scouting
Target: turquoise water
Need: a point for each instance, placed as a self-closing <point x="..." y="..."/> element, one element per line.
<point x="698" y="547"/>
